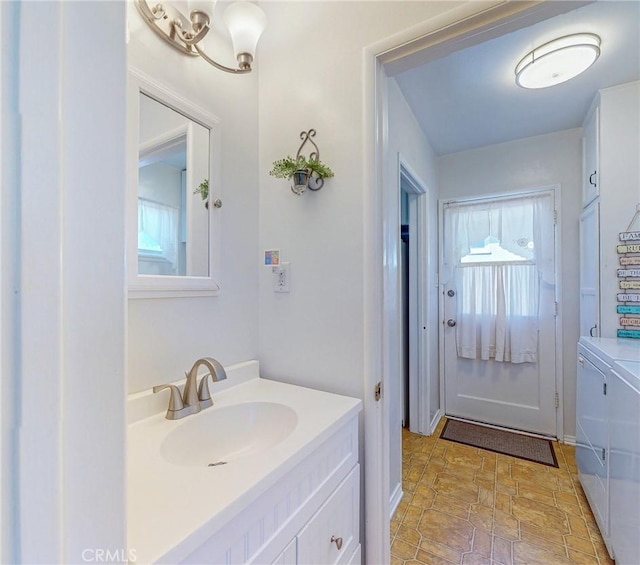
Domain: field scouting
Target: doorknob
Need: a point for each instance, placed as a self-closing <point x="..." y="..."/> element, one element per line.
<point x="451" y="323"/>
<point x="451" y="292"/>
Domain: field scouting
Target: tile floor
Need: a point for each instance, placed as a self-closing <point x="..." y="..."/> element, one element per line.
<point x="469" y="506"/>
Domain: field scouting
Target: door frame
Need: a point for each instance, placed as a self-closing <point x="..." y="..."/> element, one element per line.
<point x="555" y="191"/>
<point x="459" y="27"/>
<point x="419" y="319"/>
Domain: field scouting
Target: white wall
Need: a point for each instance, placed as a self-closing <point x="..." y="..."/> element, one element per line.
<point x="524" y="164"/>
<point x="165" y="336"/>
<point x="406" y="138"/>
<point x="314" y="79"/>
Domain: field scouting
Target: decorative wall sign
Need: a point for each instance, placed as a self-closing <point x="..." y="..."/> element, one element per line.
<point x="626" y="261"/>
<point x="628" y="309"/>
<point x="630" y="251"/>
<point x="629" y="333"/>
<point x="623" y="273"/>
<point x="633" y="248"/>
<point x="628" y="297"/>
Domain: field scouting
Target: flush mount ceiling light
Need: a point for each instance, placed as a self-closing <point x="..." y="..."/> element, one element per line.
<point x="558" y="61"/>
<point x="245" y="22"/>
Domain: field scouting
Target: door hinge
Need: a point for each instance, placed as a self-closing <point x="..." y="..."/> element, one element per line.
<point x="377" y="391"/>
<point x="604" y="389"/>
<point x="555" y="311"/>
<point x="555" y="217"/>
<point x="604" y="454"/>
<point x="557" y="400"/>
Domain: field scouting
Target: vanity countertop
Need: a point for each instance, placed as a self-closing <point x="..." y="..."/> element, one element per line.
<point x="172" y="509"/>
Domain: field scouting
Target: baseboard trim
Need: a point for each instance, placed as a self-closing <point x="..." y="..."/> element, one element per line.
<point x="396" y="497"/>
<point x="435" y="421"/>
<point x="569" y="440"/>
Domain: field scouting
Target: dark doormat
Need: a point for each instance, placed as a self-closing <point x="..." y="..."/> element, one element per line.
<point x="530" y="448"/>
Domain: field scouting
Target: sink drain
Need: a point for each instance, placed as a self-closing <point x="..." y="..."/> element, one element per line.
<point x="217" y="464"/>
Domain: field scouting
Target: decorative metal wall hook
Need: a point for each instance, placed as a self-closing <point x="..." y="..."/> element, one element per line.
<point x="313" y="156"/>
<point x="306" y="172"/>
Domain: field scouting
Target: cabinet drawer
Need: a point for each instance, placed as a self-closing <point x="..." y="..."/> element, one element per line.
<point x="338" y="518"/>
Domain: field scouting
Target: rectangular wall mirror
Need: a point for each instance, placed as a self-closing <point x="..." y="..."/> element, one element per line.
<point x="172" y="243"/>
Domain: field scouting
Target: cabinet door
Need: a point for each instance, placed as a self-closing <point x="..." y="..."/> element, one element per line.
<point x="590" y="271"/>
<point x="592" y="439"/>
<point x="331" y="536"/>
<point x="288" y="556"/>
<point x="591" y="157"/>
<point x="624" y="470"/>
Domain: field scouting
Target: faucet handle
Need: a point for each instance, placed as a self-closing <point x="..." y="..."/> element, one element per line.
<point x="203" y="392"/>
<point x="175" y="401"/>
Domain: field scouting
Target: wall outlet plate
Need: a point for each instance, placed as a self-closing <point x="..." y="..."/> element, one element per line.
<point x="282" y="278"/>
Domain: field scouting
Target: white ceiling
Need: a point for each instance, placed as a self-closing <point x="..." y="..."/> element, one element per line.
<point x="469" y="98"/>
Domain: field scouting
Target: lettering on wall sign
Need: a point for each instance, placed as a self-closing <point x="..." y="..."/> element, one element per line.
<point x="630" y="285"/>
<point x="630" y="280"/>
<point x="627" y="261"/>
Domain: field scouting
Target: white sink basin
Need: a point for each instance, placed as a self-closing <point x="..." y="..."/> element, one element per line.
<point x="218" y="436"/>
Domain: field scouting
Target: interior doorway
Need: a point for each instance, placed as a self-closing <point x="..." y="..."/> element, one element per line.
<point x="414" y="389"/>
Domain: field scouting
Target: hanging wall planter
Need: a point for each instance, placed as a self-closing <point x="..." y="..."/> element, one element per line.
<point x="304" y="172"/>
<point x="203" y="191"/>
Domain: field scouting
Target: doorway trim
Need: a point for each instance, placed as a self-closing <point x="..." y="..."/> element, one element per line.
<point x="455" y="29"/>
<point x="418" y="300"/>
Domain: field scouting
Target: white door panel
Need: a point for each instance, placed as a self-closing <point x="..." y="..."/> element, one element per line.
<point x="515" y="395"/>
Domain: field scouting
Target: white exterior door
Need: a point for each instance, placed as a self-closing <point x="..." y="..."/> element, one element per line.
<point x="504" y="389"/>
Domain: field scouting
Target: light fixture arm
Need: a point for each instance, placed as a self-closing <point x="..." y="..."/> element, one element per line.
<point x="239" y="71"/>
<point x="185" y="34"/>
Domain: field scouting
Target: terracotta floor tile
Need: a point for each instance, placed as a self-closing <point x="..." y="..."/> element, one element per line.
<point x="440" y="551"/>
<point x="448" y="530"/>
<point x="502" y="551"/>
<point x="451" y="506"/>
<point x="482" y="542"/>
<point x="403" y="550"/>
<point x="464" y="505"/>
<point x="475" y="559"/>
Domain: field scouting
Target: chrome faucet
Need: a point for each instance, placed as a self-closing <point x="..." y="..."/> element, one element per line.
<point x="194" y="398"/>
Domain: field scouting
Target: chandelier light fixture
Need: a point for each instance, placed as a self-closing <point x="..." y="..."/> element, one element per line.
<point x="558" y="61"/>
<point x="245" y="22"/>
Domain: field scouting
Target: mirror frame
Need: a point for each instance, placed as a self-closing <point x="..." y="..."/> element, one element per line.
<point x="168" y="286"/>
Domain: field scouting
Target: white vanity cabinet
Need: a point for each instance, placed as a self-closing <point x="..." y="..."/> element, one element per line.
<point x="300" y="518"/>
<point x="610" y="194"/>
<point x="608" y="440"/>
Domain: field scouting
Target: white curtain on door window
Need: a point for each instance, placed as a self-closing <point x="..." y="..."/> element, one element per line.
<point x="160" y="222"/>
<point x="497" y="306"/>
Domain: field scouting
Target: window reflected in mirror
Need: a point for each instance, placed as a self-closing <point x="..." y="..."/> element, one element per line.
<point x="173" y="211"/>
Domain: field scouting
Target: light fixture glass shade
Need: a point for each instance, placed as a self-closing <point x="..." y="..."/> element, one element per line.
<point x="558" y="61"/>
<point x="245" y="22"/>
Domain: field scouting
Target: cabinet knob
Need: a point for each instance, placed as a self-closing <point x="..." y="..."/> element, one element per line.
<point x="337" y="541"/>
<point x="581" y="360"/>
